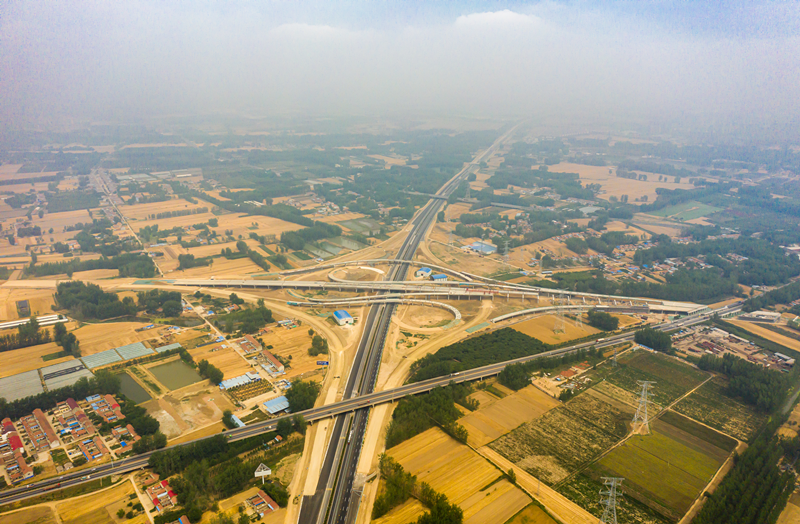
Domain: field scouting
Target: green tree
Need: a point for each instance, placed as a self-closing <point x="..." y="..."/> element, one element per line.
<point x="300" y="423"/>
<point x="172" y="308"/>
<point x="512" y="476"/>
<point x="284" y="427"/>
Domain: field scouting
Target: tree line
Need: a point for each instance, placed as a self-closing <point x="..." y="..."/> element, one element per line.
<point x="27" y="335"/>
<point x="762" y="388"/>
<point x="89" y="301"/>
<point x="415" y="414"/>
<point x="177" y="213"/>
<point x="399" y="486"/>
<point x="755" y="491"/>
<point x="654" y="339"/>
<point x="496" y="346"/>
<point x="128" y="264"/>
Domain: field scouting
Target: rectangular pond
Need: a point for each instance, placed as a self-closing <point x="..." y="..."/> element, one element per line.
<point x="131" y="389"/>
<point x="175" y="374"/>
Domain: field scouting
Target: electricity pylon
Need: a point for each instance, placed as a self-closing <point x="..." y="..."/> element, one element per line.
<point x="505" y="253"/>
<point x="608" y="497"/>
<point x="641" y="422"/>
<point x="560" y="326"/>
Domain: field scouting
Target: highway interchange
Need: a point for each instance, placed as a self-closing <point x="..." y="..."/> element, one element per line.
<point x="337" y="498"/>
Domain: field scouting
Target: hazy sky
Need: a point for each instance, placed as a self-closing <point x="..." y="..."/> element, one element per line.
<point x="638" y="58"/>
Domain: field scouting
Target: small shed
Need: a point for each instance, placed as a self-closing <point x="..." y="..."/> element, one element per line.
<point x="342" y="317"/>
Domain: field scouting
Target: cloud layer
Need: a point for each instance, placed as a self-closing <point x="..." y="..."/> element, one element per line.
<point x="115" y="62"/>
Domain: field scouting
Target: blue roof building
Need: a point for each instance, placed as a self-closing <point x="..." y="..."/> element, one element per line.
<point x="483" y="248"/>
<point x="439" y="278"/>
<point x="342" y="317"/>
<point x="423" y="272"/>
<point x="276" y="405"/>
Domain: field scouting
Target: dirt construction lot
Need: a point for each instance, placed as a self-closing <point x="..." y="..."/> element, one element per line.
<point x="462" y="475"/>
<point x="292" y="344"/>
<point x="188" y="409"/>
<point x="498" y="418"/>
<point x="541" y="328"/>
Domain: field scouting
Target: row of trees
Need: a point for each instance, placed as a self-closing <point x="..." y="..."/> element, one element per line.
<point x="210" y="371"/>
<point x="755" y="491"/>
<point x="89" y="301"/>
<point x="400" y="485"/>
<point x="760" y="387"/>
<point x="68" y="341"/>
<point x="320" y="230"/>
<point x="129" y="265"/>
<point x="178" y="213"/>
<point x="27" y="335"/>
<point x="784" y="295"/>
<point x="654" y="339"/>
<point x="602" y="320"/>
<point x="497" y="346"/>
<point x="436" y="408"/>
<point x="189" y="261"/>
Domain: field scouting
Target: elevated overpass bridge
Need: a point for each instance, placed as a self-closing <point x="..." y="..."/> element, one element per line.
<point x="451" y="291"/>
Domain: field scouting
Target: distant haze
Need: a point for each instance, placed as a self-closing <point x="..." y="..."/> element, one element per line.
<point x="631" y="59"/>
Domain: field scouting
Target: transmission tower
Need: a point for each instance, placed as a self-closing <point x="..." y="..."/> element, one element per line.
<point x="560" y="326"/>
<point x="608" y="497"/>
<point x="450" y="240"/>
<point x="505" y="253"/>
<point x="467" y="195"/>
<point x="640" y="420"/>
<point x="579" y="318"/>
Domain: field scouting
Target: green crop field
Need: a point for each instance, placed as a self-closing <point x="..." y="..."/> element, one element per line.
<point x="555" y="444"/>
<point x="668" y="369"/>
<point x="660" y="469"/>
<point x="712" y="407"/>
<point x="686" y="211"/>
<point x="301" y="255"/>
<point x="584" y="491"/>
<point x="695" y="430"/>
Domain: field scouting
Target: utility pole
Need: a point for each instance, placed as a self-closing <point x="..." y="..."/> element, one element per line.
<point x="608" y="497"/>
<point x="641" y="422"/>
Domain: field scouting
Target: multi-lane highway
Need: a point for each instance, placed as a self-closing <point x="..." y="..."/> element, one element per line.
<point x="338" y="408"/>
<point x="335" y="498"/>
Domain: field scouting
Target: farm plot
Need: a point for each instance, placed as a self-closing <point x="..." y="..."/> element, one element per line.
<point x="661" y="469"/>
<point x="142" y="211"/>
<point x="496" y="419"/>
<point x="612" y="419"/>
<point x="666" y="368"/>
<point x="672" y="378"/>
<point x="292" y="344"/>
<point x="711" y="406"/>
<point x="99" y="507"/>
<point x="466" y="478"/>
<point x="542" y="328"/>
<point x="554" y="445"/>
<point x="222" y="356"/>
<point x="583" y="490"/>
<point x="36" y="515"/>
<point x="687" y="211"/>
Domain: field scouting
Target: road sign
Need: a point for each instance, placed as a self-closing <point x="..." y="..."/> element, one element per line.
<point x="263" y="471"/>
<point x="322" y="363"/>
